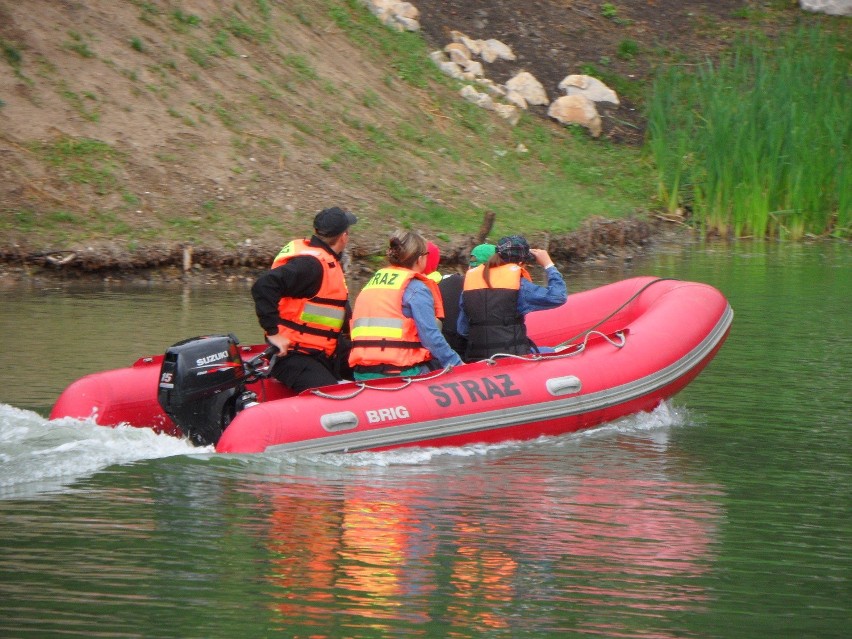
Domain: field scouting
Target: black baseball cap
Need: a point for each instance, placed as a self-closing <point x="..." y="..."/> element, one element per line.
<point x="333" y="221"/>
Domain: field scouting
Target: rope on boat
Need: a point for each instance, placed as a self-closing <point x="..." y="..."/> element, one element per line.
<point x="535" y="357"/>
<point x="558" y="354"/>
<point x="568" y="341"/>
<point x="491" y="361"/>
<point x="406" y="382"/>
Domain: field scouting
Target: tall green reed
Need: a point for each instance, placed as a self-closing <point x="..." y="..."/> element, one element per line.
<point x="758" y="144"/>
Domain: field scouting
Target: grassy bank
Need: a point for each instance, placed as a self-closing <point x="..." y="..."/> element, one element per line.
<point x="759" y="144"/>
<point x="293" y="131"/>
<point x="134" y="129"/>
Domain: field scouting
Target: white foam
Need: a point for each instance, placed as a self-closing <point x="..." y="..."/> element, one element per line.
<point x="653" y="426"/>
<point x="39" y="455"/>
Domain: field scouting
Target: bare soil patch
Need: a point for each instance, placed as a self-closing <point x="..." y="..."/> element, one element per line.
<point x="555" y="38"/>
<point x="79" y="77"/>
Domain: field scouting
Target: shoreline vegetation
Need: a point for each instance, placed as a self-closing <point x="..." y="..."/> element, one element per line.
<point x="759" y="143"/>
<point x="256" y="126"/>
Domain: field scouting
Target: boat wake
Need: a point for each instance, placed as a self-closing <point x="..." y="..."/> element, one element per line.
<point x="38" y="456"/>
<point x="653" y="426"/>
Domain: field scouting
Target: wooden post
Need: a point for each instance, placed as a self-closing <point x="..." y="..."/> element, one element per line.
<point x="485" y="229"/>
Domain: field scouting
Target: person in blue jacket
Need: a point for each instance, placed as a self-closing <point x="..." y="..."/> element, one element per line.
<point x="499" y="294"/>
<point x="395" y="324"/>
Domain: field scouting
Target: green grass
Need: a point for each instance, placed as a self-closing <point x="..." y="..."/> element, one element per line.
<point x="628" y="49"/>
<point x="11" y="54"/>
<point x="301" y="66"/>
<point x="436" y="162"/>
<point x="78" y="46"/>
<point x="406" y="52"/>
<point x="82" y="161"/>
<point x="759" y="144"/>
<point x="183" y="21"/>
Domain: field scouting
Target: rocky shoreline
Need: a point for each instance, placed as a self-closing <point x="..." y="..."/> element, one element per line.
<point x="599" y="238"/>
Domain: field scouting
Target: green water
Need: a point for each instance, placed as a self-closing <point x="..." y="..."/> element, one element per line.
<point x="725" y="513"/>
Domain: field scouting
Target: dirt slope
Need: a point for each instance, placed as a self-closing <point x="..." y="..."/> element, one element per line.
<point x="225" y="124"/>
<point x="618" y="41"/>
<point x="198" y="128"/>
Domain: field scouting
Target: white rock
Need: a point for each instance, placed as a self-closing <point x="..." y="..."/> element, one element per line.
<point x="474" y="67"/>
<point x="590" y="87"/>
<point x="407" y="23"/>
<point x="405" y="10"/>
<point x="479" y="99"/>
<point x="513" y="97"/>
<point x="494" y="49"/>
<point x="380" y="8"/>
<point x="831" y="7"/>
<point x="451" y="69"/>
<point x="491" y="87"/>
<point x="475" y="46"/>
<point x="531" y="89"/>
<point x="508" y="112"/>
<point x="457" y="52"/>
<point x="576" y="109"/>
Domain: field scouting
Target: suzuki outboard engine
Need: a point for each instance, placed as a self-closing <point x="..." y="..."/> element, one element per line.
<point x="202" y="386"/>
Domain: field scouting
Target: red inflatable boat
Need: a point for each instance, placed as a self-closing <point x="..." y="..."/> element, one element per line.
<point x="618" y="349"/>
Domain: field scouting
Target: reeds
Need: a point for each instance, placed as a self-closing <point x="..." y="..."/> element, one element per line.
<point x="759" y="143"/>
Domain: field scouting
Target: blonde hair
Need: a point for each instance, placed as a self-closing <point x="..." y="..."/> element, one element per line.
<point x="405" y="248"/>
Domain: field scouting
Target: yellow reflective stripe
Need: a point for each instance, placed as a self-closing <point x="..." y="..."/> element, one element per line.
<point x="371" y="331"/>
<point x="323" y="315"/>
<point x="377" y="327"/>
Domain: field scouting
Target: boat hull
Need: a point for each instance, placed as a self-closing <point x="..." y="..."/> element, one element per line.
<point x="650" y="338"/>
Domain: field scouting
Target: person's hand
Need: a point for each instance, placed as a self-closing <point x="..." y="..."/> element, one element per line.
<point x="542" y="257"/>
<point x="280" y="341"/>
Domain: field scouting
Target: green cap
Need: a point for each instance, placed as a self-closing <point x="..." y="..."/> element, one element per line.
<point x="480" y="254"/>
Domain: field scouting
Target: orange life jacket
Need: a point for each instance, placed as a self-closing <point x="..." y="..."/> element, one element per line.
<point x="314" y="324"/>
<point x="381" y="334"/>
<point x="495" y="324"/>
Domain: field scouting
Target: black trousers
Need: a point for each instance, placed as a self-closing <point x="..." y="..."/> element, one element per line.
<point x="299" y="371"/>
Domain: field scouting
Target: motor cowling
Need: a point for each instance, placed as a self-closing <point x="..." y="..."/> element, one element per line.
<point x="202" y="382"/>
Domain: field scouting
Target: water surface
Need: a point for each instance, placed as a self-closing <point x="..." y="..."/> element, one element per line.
<point x="724" y="513"/>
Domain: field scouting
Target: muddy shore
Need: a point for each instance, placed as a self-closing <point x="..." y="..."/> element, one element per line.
<point x="598" y="239"/>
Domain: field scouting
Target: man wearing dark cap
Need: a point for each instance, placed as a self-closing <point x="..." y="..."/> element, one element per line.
<point x="302" y="303"/>
<point x="497" y="296"/>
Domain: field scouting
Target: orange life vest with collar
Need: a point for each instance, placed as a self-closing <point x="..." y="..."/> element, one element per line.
<point x="381" y="334"/>
<point x="495" y="324"/>
<point x="314" y="324"/>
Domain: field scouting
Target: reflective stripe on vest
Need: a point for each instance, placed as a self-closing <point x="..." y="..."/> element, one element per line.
<point x="314" y="324"/>
<point x="377" y="327"/>
<point x="381" y="334"/>
<point x="316" y="314"/>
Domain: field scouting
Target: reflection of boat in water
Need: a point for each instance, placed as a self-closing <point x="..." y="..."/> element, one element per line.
<point x="621" y="349"/>
<point x="601" y="537"/>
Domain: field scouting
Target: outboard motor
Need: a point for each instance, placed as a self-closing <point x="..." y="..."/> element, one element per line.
<point x="202" y="386"/>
